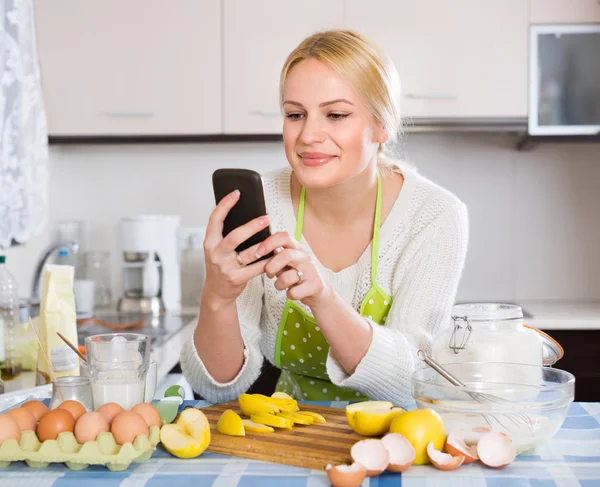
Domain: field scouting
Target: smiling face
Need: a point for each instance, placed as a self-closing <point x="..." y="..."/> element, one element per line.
<point x="329" y="133"/>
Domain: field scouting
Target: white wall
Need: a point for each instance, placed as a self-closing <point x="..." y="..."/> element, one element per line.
<point x="535" y="216"/>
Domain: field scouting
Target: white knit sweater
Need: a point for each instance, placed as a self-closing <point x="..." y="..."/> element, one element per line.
<point x="422" y="249"/>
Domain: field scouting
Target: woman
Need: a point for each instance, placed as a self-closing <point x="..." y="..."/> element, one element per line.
<point x="368" y="253"/>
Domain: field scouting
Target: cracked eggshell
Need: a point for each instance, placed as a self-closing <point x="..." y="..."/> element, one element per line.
<point x="456" y="446"/>
<point x="372" y="455"/>
<point x="443" y="461"/>
<point x="346" y="475"/>
<point x="496" y="450"/>
<point x="402" y="453"/>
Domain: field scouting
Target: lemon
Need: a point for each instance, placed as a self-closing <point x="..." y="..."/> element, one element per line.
<point x="272" y="420"/>
<point x="188" y="436"/>
<point x="420" y="427"/>
<point x="230" y="424"/>
<point x="253" y="404"/>
<point x="297" y="418"/>
<point x="253" y="427"/>
<point x="317" y="418"/>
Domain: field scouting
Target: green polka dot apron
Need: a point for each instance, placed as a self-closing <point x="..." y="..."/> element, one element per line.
<point x="301" y="349"/>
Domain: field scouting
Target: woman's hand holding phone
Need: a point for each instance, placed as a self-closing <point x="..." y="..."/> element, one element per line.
<point x="294" y="270"/>
<point x="227" y="272"/>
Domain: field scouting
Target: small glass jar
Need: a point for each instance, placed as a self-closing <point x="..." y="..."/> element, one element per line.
<point x="74" y="388"/>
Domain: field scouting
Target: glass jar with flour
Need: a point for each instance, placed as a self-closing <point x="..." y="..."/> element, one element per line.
<point x="490" y="332"/>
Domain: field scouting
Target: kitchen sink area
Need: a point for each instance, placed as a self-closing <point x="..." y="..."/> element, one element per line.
<point x="160" y="328"/>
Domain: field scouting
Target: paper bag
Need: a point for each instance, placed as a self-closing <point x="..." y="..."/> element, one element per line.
<point x="57" y="314"/>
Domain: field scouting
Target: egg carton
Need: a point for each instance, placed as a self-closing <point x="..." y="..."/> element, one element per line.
<point x="65" y="449"/>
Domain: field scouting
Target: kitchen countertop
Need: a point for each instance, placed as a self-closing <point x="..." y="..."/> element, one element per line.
<point x="563" y="315"/>
<point x="169" y="334"/>
<point x="570" y="458"/>
<point x="179" y="328"/>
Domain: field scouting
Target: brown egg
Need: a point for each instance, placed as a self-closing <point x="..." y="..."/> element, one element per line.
<point x="89" y="426"/>
<point x="9" y="429"/>
<point x="149" y="413"/>
<point x="37" y="408"/>
<point x="127" y="426"/>
<point x="53" y="423"/>
<point x="24" y="418"/>
<point x="110" y="410"/>
<point x="74" y="407"/>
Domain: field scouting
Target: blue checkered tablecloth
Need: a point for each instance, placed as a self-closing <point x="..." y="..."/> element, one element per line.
<point x="571" y="459"/>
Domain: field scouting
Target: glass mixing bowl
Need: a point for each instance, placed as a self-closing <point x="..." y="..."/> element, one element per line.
<point x="527" y="402"/>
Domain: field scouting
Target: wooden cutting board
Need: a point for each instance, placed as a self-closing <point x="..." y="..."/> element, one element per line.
<point x="311" y="446"/>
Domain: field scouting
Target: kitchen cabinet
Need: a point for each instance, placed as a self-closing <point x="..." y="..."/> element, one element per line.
<point x="464" y="59"/>
<point x="581" y="359"/>
<point x="258" y="36"/>
<point x="564" y="11"/>
<point x="140" y="67"/>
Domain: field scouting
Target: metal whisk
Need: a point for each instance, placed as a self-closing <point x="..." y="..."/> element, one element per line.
<point x="517" y="419"/>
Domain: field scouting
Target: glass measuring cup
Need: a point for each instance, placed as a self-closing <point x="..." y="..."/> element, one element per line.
<point x="118" y="365"/>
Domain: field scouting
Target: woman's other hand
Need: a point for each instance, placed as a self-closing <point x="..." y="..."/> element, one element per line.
<point x="293" y="269"/>
<point x="227" y="271"/>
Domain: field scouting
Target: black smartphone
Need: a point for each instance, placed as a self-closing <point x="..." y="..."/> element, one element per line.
<point x="251" y="204"/>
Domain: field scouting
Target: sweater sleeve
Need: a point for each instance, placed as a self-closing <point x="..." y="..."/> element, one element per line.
<point x="249" y="308"/>
<point x="421" y="306"/>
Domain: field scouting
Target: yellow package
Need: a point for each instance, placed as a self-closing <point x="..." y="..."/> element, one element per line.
<point x="27" y="345"/>
<point x="57" y="314"/>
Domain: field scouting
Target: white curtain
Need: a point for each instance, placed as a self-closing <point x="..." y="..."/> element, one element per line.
<point x="23" y="129"/>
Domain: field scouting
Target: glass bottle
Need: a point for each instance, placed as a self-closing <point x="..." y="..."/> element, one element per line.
<point x="9" y="321"/>
<point x="97" y="268"/>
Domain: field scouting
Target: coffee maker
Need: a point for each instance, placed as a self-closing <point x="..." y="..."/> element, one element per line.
<point x="151" y="268"/>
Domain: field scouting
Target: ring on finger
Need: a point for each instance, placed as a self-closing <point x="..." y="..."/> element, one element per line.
<point x="299" y="276"/>
<point x="239" y="260"/>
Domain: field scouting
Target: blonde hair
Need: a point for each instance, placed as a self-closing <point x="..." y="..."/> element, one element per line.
<point x="369" y="70"/>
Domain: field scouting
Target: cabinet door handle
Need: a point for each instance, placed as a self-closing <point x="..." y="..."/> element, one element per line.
<point x="265" y="113"/>
<point x="127" y="114"/>
<point x="430" y="96"/>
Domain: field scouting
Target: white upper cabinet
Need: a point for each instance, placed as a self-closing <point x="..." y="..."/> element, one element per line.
<point x="564" y="11"/>
<point x="461" y="58"/>
<point x="135" y="67"/>
<point x="258" y="36"/>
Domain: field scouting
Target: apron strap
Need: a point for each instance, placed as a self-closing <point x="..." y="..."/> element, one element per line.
<point x="300" y="218"/>
<point x="376" y="225"/>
